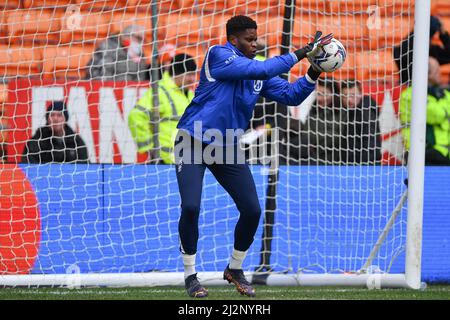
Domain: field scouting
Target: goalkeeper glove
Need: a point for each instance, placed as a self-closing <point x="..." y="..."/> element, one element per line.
<point x="313" y="73"/>
<point x="312" y="48"/>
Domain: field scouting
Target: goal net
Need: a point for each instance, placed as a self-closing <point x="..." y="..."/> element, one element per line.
<point x="330" y="174"/>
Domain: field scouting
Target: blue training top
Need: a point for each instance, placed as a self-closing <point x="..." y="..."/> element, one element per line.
<point x="230" y="85"/>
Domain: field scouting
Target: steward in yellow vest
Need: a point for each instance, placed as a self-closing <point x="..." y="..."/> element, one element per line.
<point x="174" y="96"/>
<point x="437" y="140"/>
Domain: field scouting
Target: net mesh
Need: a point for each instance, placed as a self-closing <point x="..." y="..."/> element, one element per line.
<point x="341" y="173"/>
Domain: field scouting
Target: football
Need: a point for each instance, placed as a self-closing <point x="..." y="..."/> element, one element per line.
<point x="331" y="57"/>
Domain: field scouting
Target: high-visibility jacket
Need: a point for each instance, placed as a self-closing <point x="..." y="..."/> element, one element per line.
<point x="438" y="121"/>
<point x="172" y="103"/>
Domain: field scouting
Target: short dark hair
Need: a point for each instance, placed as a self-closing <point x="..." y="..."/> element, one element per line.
<point x="350" y="83"/>
<point x="59" y="106"/>
<point x="182" y="63"/>
<point x="238" y="24"/>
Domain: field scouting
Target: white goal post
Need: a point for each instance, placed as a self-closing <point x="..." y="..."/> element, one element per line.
<point x="416" y="164"/>
<point x="335" y="224"/>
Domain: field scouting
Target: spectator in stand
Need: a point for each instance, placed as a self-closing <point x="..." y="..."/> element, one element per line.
<point x="321" y="135"/>
<point x="403" y="53"/>
<point x="437" y="142"/>
<point x="55" y="142"/>
<point x="120" y="57"/>
<point x="361" y="138"/>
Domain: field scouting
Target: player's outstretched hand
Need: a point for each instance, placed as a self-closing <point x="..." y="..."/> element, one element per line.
<point x="312" y="48"/>
<point x="318" y="43"/>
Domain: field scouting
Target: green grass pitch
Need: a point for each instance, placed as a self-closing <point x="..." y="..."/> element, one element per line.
<point x="432" y="292"/>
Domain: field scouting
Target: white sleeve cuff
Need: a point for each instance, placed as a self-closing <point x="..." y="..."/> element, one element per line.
<point x="294" y="57"/>
<point x="308" y="78"/>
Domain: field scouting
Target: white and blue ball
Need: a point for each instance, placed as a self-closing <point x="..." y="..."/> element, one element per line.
<point x="330" y="57"/>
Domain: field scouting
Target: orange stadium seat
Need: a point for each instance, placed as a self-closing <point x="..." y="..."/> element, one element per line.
<point x="390" y="31"/>
<point x="312" y="6"/>
<point x="397" y="7"/>
<point x="3" y="17"/>
<point x="221" y="22"/>
<point x="19" y="60"/>
<point x="44" y="3"/>
<point x="445" y="74"/>
<point x="164" y="6"/>
<point x="189" y="29"/>
<point x="446" y="23"/>
<point x="65" y="61"/>
<point x="376" y="65"/>
<point x="32" y="26"/>
<point x="350" y="6"/>
<point x="90" y="27"/>
<point x="121" y="20"/>
<point x="250" y="7"/>
<point x="305" y="27"/>
<point x="98" y="5"/>
<point x="10" y="4"/>
<point x="350" y="30"/>
<point x="202" y="5"/>
<point x="441" y="7"/>
<point x="385" y="7"/>
<point x="269" y="29"/>
<point x="144" y="2"/>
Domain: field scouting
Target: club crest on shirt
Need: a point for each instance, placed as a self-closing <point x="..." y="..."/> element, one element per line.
<point x="257" y="86"/>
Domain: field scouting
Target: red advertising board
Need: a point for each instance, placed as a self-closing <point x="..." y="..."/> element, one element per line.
<point x="98" y="111"/>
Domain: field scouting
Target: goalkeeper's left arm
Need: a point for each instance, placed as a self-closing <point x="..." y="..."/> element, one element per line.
<point x="293" y="94"/>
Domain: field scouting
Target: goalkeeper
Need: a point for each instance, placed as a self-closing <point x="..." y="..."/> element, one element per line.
<point x="231" y="81"/>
